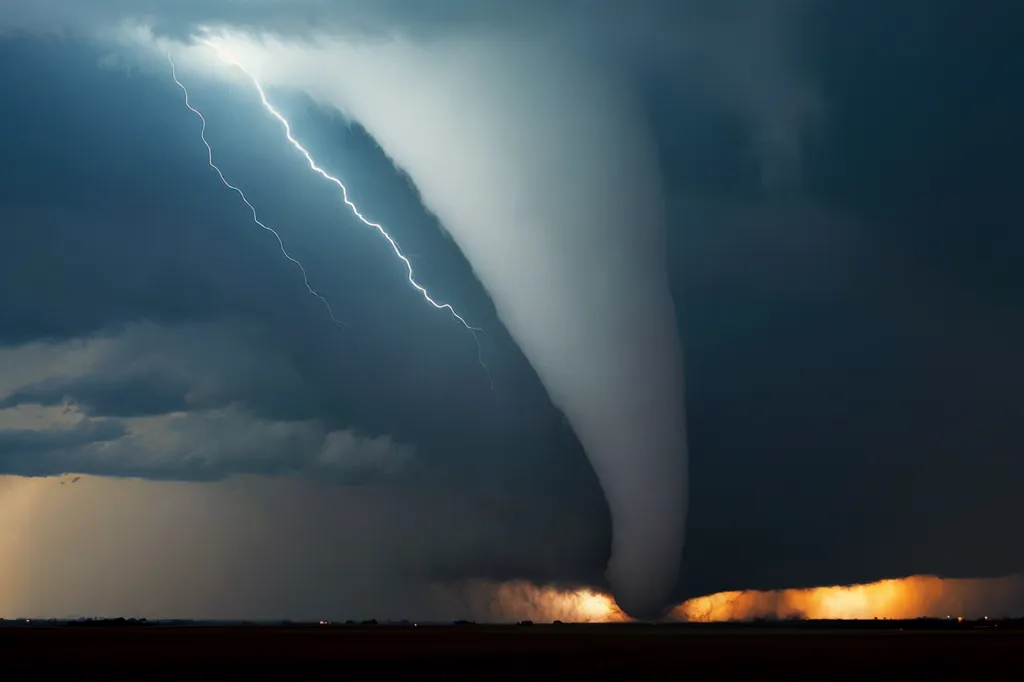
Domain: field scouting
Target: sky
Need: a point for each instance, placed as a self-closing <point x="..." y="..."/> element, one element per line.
<point x="830" y="189"/>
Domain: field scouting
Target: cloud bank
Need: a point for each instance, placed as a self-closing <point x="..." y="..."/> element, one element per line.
<point x="142" y="402"/>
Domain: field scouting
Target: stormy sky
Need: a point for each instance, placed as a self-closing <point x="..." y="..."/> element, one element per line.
<point x="842" y="237"/>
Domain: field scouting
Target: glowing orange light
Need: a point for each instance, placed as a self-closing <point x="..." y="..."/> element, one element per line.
<point x="518" y="601"/>
<point x="900" y="598"/>
<point x="919" y="596"/>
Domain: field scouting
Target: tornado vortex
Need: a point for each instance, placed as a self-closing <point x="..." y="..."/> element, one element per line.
<point x="539" y="163"/>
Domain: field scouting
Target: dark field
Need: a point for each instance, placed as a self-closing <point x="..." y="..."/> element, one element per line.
<point x="621" y="652"/>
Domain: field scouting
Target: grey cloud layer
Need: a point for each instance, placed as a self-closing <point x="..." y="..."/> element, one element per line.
<point x="362" y="16"/>
<point x="151" y="370"/>
<point x="172" y="403"/>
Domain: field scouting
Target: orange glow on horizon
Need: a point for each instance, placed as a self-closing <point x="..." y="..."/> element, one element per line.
<point x="920" y="596"/>
<point x="520" y="600"/>
<point x="47" y="525"/>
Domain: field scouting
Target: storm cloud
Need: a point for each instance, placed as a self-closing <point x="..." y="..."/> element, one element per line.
<point x="841" y="255"/>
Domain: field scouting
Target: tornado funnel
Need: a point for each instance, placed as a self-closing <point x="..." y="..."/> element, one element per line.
<point x="539" y="163"/>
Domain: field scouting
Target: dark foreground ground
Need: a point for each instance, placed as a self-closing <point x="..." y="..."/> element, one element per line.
<point x="620" y="652"/>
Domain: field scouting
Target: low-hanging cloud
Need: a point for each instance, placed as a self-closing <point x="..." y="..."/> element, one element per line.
<point x="143" y="402"/>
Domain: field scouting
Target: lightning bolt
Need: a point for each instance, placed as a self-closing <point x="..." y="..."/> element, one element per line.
<point x="355" y="210"/>
<point x="255" y="217"/>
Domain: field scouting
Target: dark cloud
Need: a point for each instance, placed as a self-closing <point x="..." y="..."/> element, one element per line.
<point x="365" y="16"/>
<point x="149" y="370"/>
<point x="137" y="396"/>
<point x="17" y="445"/>
<point x="742" y="51"/>
<point x="225" y="319"/>
<point x="851" y="339"/>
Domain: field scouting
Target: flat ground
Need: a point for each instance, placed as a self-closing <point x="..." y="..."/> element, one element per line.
<point x="622" y="652"/>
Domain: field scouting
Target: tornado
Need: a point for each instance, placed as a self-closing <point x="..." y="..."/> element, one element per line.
<point x="537" y="158"/>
